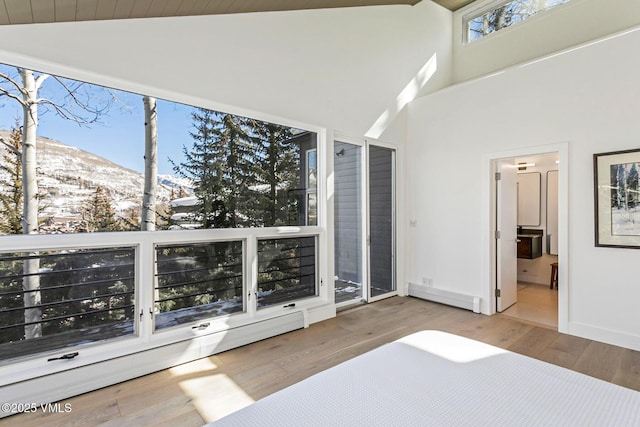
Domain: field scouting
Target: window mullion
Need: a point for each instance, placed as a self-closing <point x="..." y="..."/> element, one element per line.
<point x="251" y="275"/>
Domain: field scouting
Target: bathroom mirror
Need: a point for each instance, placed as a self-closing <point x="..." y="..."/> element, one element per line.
<point x="529" y="199"/>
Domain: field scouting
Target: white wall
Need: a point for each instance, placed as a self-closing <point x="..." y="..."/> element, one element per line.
<point x="589" y="97"/>
<point x="567" y="25"/>
<point x="336" y="68"/>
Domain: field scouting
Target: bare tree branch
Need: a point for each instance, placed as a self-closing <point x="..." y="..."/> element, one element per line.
<point x="10" y="147"/>
<point x="72" y="93"/>
<point x="3" y="91"/>
<point x="17" y="85"/>
<point x="65" y="113"/>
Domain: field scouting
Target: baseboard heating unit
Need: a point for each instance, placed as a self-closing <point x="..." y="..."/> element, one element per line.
<point x="61" y="385"/>
<point x="443" y="296"/>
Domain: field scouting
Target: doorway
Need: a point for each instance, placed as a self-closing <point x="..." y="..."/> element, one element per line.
<point x="364" y="222"/>
<point x="528" y="214"/>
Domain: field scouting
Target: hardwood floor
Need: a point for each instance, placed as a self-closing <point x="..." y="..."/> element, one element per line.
<point x="207" y="389"/>
<point x="536" y="303"/>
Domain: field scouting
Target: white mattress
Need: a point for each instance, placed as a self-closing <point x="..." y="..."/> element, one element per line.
<point x="435" y="378"/>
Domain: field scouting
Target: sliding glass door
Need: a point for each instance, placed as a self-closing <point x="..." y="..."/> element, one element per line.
<point x="364" y="222"/>
<point x="382" y="259"/>
<point x="348" y="220"/>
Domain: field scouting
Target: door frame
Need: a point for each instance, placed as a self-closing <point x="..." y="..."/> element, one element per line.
<point x="489" y="220"/>
<point x="364" y="262"/>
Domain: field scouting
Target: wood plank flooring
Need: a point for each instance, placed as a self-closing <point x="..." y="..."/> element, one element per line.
<point x="207" y="389"/>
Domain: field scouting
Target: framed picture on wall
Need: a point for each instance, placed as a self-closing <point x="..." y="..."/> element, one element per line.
<point x="617" y="198"/>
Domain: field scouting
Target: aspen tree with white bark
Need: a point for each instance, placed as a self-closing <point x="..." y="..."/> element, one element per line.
<point x="25" y="90"/>
<point x="148" y="222"/>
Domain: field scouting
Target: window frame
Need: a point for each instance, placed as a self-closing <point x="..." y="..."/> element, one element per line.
<point x="491" y="6"/>
<point x="158" y="326"/>
<point x="308" y="189"/>
<point x="316" y="280"/>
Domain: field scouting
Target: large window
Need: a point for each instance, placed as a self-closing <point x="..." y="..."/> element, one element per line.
<point x="133" y="225"/>
<point x="57" y="299"/>
<point x="286" y="270"/>
<point x="83" y="166"/>
<point x="197" y="281"/>
<point x="504" y="14"/>
<point x="211" y="169"/>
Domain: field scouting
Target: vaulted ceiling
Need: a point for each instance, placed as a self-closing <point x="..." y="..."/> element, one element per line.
<point x="453" y="5"/>
<point x="45" y="11"/>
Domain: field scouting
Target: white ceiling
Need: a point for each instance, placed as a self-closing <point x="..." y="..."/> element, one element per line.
<point x="453" y="4"/>
<point x="46" y="11"/>
<point x="41" y="11"/>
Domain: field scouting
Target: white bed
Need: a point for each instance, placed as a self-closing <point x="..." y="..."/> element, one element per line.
<point x="440" y="379"/>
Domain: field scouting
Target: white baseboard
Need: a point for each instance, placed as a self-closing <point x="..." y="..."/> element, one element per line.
<point x="444" y="296"/>
<point x="608" y="336"/>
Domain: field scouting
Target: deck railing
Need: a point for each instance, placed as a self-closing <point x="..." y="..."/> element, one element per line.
<point x="65" y="291"/>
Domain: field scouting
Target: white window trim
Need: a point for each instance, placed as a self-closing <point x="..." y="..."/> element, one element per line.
<point x="481" y="10"/>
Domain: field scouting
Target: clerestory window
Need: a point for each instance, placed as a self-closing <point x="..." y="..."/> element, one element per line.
<point x="504" y="14"/>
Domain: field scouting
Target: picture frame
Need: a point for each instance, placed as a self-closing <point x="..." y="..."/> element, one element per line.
<point x="617" y="199"/>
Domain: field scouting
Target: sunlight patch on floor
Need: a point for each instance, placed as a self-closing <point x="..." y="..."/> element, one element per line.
<point x="197" y="366"/>
<point x="215" y="396"/>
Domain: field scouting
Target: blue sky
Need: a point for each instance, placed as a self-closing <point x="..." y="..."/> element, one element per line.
<point x="120" y="136"/>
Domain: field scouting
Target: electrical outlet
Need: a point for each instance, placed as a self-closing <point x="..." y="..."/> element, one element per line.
<point x="427" y="282"/>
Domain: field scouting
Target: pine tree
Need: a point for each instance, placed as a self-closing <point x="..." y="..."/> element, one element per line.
<point x="164" y="211"/>
<point x="278" y="166"/>
<point x="11" y="185"/>
<point x="129" y="222"/>
<point x="221" y="166"/>
<point x="98" y="213"/>
<point x="202" y="165"/>
<point x="244" y="171"/>
<point x="240" y="168"/>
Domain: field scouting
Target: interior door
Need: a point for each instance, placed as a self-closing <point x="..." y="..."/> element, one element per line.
<point x="506" y="236"/>
<point x="381" y="209"/>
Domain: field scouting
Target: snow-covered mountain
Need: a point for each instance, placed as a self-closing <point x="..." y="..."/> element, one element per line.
<point x="68" y="176"/>
<point x="177" y="183"/>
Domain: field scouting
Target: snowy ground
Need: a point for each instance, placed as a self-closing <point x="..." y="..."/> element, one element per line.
<point x="347" y="290"/>
<point x="625" y="222"/>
